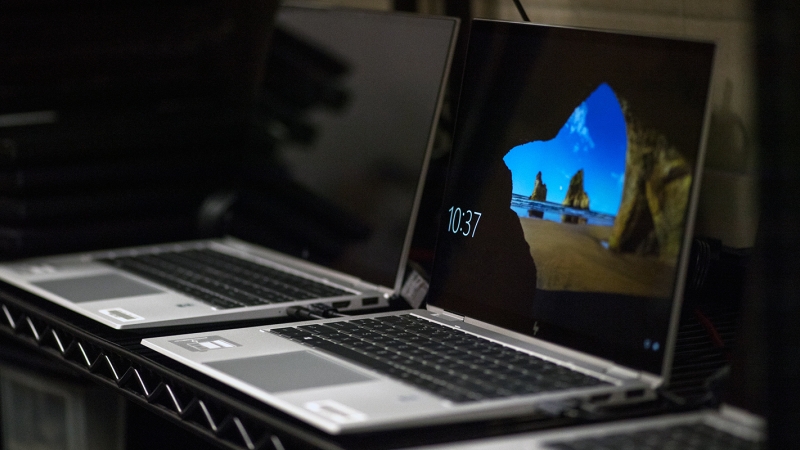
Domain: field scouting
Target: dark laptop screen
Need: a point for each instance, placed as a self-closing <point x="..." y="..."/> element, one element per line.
<point x="369" y="155"/>
<point x="569" y="188"/>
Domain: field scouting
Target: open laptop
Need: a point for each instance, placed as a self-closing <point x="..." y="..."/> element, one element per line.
<point x="729" y="428"/>
<point x="532" y="304"/>
<point x="365" y="173"/>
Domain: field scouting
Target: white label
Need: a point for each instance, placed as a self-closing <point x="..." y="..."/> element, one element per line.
<point x="335" y="411"/>
<point x="121" y="315"/>
<point x="414" y="289"/>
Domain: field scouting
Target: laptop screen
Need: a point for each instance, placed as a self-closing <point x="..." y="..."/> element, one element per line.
<point x="369" y="155"/>
<point x="569" y="189"/>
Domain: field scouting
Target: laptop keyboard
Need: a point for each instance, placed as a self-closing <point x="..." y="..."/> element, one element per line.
<point x="221" y="280"/>
<point x="451" y="363"/>
<point x="683" y="437"/>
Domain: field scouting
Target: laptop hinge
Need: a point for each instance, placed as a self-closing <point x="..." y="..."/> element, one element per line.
<point x="452" y="315"/>
<point x="622" y="372"/>
<point x="446" y="314"/>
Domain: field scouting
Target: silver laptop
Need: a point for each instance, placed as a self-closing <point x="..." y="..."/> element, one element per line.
<point x="354" y="194"/>
<point x="728" y="427"/>
<point x="537" y="300"/>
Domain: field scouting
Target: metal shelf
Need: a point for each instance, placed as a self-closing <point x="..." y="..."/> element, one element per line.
<point x="220" y="414"/>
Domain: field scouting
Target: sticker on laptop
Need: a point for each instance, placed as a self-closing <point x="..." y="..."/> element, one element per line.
<point x="335" y="411"/>
<point x="205" y="343"/>
<point x="121" y="315"/>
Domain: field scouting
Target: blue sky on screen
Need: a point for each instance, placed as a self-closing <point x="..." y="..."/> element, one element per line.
<point x="593" y="139"/>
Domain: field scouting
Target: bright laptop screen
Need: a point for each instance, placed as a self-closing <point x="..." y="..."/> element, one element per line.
<point x="569" y="189"/>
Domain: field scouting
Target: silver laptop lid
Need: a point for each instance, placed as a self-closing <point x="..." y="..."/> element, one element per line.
<point x="572" y="186"/>
<point x="367" y="165"/>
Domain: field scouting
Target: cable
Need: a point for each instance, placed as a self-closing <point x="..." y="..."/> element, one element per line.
<point x="521" y="11"/>
<point x="301" y="313"/>
<point x="324" y="310"/>
<point x="713" y="334"/>
<point x="315" y="311"/>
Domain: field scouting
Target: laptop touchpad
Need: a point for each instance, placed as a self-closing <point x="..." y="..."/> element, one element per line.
<point x="96" y="287"/>
<point x="288" y="371"/>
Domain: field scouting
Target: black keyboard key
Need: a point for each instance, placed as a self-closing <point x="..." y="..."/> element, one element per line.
<point x="224" y="281"/>
<point x="348" y="327"/>
<point x="247" y="272"/>
<point x="292" y="333"/>
<point x="461" y="367"/>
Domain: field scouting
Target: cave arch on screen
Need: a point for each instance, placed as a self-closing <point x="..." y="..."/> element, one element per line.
<point x="592" y="145"/>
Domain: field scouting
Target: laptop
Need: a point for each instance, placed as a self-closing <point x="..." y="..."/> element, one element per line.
<point x="533" y="305"/>
<point x="364" y="175"/>
<point x="728" y="427"/>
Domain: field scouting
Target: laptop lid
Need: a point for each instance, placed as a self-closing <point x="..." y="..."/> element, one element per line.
<point x="369" y="159"/>
<point x="572" y="187"/>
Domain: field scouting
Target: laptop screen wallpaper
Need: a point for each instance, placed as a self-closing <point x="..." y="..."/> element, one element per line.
<point x="565" y="208"/>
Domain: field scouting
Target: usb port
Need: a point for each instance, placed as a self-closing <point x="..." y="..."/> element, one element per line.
<point x="341" y="304"/>
<point x="369" y="301"/>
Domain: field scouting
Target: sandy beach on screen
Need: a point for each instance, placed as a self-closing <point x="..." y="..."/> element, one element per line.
<point x="572" y="257"/>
